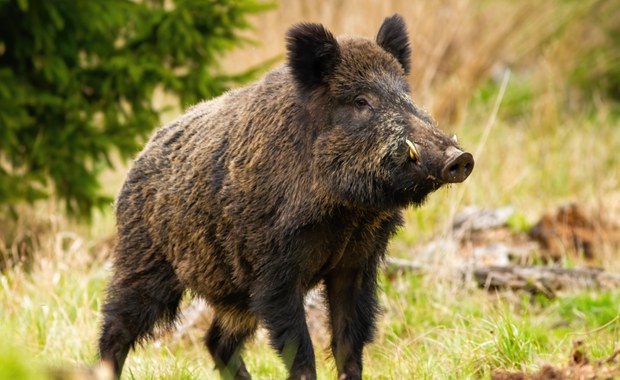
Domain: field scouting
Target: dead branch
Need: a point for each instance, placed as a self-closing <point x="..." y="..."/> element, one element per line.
<point x="534" y="279"/>
<point x="544" y="280"/>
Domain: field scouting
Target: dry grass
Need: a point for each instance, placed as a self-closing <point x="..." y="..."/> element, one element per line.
<point x="457" y="43"/>
<point x="49" y="304"/>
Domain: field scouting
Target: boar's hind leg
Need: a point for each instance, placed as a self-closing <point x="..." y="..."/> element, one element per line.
<point x="135" y="302"/>
<point x="224" y="340"/>
<point x="352" y="299"/>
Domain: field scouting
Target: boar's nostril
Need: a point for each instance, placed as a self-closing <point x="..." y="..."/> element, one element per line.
<point x="458" y="167"/>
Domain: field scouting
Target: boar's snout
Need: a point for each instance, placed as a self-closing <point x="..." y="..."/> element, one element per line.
<point x="458" y="165"/>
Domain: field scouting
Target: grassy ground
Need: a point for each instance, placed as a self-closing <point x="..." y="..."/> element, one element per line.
<point x="431" y="328"/>
<point x="540" y="147"/>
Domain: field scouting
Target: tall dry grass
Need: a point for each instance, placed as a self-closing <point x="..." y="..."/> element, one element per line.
<point x="457" y="44"/>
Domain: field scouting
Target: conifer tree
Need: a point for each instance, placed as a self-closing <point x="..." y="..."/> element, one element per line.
<point x="77" y="79"/>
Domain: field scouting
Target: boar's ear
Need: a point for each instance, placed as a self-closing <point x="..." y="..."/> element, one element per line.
<point x="393" y="38"/>
<point x="312" y="53"/>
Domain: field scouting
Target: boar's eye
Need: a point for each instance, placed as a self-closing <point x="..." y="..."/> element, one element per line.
<point x="362" y="102"/>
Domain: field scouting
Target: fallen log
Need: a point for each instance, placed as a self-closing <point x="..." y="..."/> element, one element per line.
<point x="544" y="280"/>
<point x="533" y="279"/>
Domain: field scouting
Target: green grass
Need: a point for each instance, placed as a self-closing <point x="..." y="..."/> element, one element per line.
<point x="430" y="328"/>
<point x="15" y="364"/>
<point x="436" y="330"/>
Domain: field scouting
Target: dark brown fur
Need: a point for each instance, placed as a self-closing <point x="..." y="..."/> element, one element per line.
<point x="253" y="198"/>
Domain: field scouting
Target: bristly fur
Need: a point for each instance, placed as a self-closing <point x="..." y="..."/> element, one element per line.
<point x="252" y="199"/>
<point x="392" y="36"/>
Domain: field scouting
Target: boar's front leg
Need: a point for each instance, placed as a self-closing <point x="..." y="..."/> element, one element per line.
<point x="278" y="300"/>
<point x="353" y="306"/>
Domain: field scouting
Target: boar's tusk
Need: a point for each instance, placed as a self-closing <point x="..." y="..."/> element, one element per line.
<point x="413" y="151"/>
<point x="455" y="139"/>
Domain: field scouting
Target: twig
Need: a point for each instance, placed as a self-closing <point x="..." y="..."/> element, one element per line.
<point x="613" y="320"/>
<point x="485" y="136"/>
<point x="534" y="279"/>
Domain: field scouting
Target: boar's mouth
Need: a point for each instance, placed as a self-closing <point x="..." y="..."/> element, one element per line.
<point x="426" y="171"/>
<point x="457" y="165"/>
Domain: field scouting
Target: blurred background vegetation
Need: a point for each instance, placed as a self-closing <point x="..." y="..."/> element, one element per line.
<point x="78" y="79"/>
<point x="532" y="88"/>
